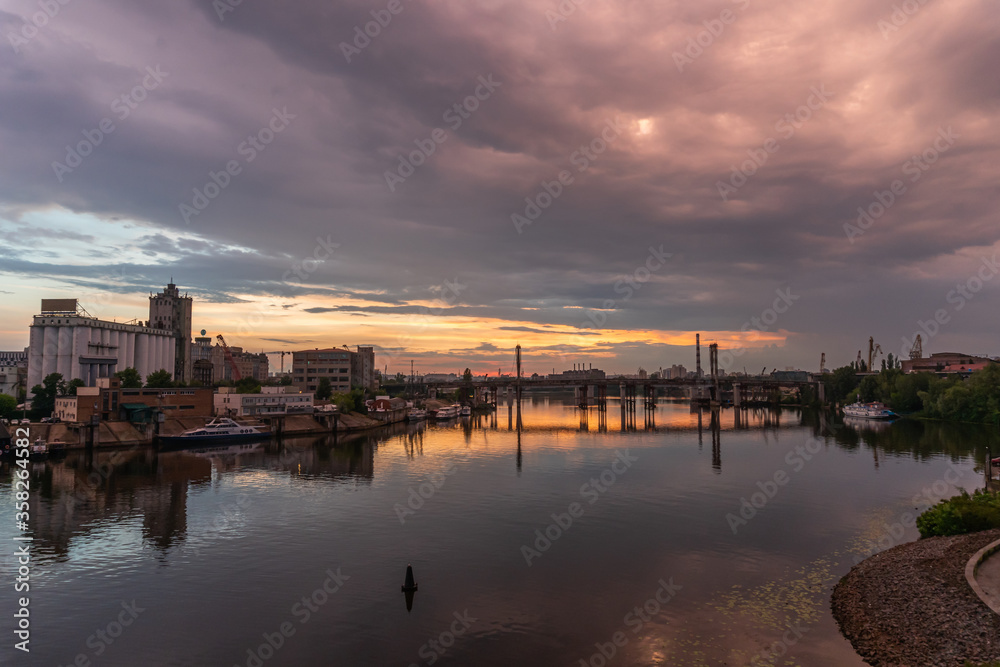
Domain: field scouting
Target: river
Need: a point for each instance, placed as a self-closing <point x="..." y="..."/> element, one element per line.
<point x="684" y="539"/>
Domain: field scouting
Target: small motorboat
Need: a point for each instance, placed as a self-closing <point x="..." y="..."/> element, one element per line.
<point x="416" y="414"/>
<point x="39" y="449"/>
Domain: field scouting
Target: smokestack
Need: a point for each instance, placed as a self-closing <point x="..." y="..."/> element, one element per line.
<point x="697" y="355"/>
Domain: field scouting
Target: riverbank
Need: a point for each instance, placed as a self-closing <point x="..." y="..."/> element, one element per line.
<point x="911" y="605"/>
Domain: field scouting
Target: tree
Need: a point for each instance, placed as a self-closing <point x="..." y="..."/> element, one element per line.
<point x="159" y="379"/>
<point x="841" y="383"/>
<point x="352" y="401"/>
<point x="8" y="406"/>
<point x="73" y="385"/>
<point x="286" y="381"/>
<point x="467" y="376"/>
<point x="43" y="400"/>
<point x="324" y="390"/>
<point x="248" y="385"/>
<point x="130" y="378"/>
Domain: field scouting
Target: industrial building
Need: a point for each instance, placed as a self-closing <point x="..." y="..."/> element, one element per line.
<point x="170" y="310"/>
<point x="944" y="363"/>
<point x="65" y="339"/>
<point x="112" y="403"/>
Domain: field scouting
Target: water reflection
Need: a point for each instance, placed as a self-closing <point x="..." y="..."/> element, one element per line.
<point x="84" y="490"/>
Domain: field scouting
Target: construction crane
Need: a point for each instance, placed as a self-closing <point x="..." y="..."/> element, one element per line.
<point x="917" y="351"/>
<point x="282" y="353"/>
<point x="237" y="376"/>
<point x="874" y="349"/>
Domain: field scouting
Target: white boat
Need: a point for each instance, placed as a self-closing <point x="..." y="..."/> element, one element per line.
<point x="873" y="410"/>
<point x="416" y="414"/>
<point x="39" y="449"/>
<point x="466" y="411"/>
<point x="221" y="429"/>
<point x="448" y="412"/>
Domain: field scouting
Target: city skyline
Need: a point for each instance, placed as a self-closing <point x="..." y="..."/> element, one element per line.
<point x="594" y="185"/>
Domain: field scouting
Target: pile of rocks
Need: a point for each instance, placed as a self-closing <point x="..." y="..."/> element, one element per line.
<point x="911" y="605"/>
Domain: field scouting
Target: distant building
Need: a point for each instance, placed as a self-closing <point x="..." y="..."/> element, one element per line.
<point x="944" y="363"/>
<point x="675" y="372"/>
<point x="113" y="403"/>
<point x="209" y="365"/>
<point x="790" y="376"/>
<point x="14" y="358"/>
<point x="202" y="368"/>
<point x="363" y="368"/>
<point x="273" y="401"/>
<point x="13" y="371"/>
<point x="170" y="310"/>
<point x="310" y="366"/>
<point x="579" y="374"/>
<point x="441" y="377"/>
<point x="65" y="339"/>
<point x="342" y="367"/>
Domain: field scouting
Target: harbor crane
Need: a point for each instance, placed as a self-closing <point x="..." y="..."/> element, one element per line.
<point x="874" y="349"/>
<point x="237" y="376"/>
<point x="917" y="351"/>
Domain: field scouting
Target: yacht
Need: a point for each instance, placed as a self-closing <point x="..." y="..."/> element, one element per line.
<point x="219" y="430"/>
<point x="416" y="414"/>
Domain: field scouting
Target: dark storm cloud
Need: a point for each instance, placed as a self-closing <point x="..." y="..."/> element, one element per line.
<point x="322" y="179"/>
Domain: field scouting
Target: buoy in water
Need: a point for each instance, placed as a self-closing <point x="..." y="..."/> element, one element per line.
<point x="409" y="584"/>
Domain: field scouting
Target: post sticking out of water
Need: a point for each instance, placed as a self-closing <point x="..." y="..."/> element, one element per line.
<point x="409" y="584"/>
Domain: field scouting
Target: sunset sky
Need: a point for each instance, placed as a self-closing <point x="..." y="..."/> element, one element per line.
<point x="627" y="125"/>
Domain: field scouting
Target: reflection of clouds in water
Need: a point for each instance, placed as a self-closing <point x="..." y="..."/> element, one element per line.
<point x="753" y="619"/>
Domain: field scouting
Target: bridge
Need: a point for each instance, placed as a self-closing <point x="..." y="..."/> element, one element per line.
<point x="593" y="390"/>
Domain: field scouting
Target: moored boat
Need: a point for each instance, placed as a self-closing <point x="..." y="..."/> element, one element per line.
<point x="447" y="412"/>
<point x="874" y="410"/>
<point x="219" y="430"/>
<point x="466" y="411"/>
<point x="416" y="414"/>
<point x="39" y="449"/>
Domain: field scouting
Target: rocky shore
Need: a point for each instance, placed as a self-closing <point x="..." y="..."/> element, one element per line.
<point x="912" y="606"/>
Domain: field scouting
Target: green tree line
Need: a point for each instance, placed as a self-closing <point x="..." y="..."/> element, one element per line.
<point x="975" y="398"/>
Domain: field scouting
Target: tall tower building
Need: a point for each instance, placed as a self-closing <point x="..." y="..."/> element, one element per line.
<point x="169" y="310"/>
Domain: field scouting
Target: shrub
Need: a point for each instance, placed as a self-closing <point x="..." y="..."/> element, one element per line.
<point x="961" y="514"/>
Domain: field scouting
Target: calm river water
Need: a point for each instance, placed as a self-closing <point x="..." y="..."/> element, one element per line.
<point x="572" y="542"/>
